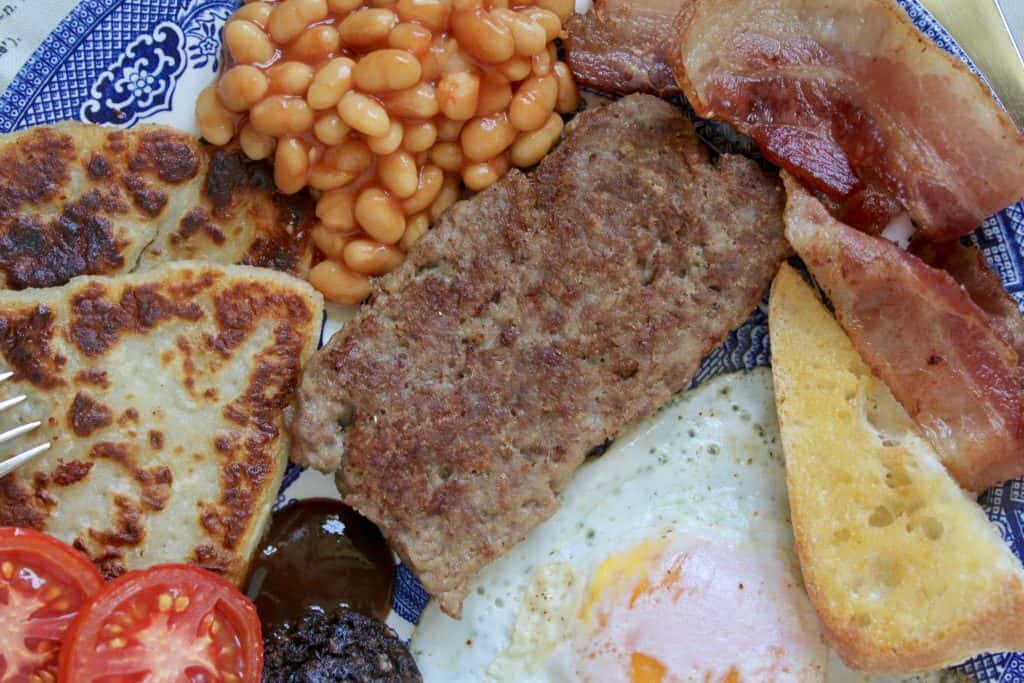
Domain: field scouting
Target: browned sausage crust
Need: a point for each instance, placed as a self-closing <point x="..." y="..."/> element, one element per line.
<point x="532" y="324"/>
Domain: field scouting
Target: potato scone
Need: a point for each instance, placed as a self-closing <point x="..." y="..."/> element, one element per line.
<point x="78" y="199"/>
<point x="902" y="566"/>
<point x="163" y="396"/>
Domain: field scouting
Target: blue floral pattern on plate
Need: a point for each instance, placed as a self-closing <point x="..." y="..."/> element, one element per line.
<point x="130" y="61"/>
<point x="138" y="84"/>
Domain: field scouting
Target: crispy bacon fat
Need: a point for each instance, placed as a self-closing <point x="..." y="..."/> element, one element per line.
<point x="622" y="46"/>
<point x="951" y="362"/>
<point x="852" y="99"/>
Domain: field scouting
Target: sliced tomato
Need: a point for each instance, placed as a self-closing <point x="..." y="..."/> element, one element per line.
<point x="43" y="584"/>
<point x="167" y="624"/>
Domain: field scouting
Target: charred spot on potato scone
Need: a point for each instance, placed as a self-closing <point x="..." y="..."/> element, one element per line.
<point x="168" y="154"/>
<point x="79" y="241"/>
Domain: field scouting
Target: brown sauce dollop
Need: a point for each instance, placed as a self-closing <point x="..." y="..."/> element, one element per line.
<point x="321" y="553"/>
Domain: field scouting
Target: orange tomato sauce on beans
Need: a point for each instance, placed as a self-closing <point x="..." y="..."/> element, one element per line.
<point x="387" y="107"/>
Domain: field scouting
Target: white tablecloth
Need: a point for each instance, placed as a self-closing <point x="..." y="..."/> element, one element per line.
<point x="1014" y="11"/>
<point x="23" y="26"/>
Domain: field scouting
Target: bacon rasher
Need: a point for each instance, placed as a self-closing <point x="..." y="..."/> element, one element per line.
<point x="950" y="360"/>
<point x="853" y="100"/>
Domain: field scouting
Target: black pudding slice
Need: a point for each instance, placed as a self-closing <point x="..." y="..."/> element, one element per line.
<point x="343" y="645"/>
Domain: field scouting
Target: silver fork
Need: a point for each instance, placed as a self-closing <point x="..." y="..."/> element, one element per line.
<point x="12" y="463"/>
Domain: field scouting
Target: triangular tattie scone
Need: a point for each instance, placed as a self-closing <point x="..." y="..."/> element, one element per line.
<point x="903" y="568"/>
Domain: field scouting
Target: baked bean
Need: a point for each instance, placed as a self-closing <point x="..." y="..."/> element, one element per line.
<point x="533" y="102"/>
<point x="367" y="27"/>
<point x="330" y="242"/>
<point x="431" y="180"/>
<point x="352" y="156"/>
<point x="482" y="35"/>
<point x="335" y="209"/>
<point x="398" y="174"/>
<point x="530" y="38"/>
<point x="546" y="18"/>
<point x="447" y="156"/>
<point x="530" y="148"/>
<point x="339" y="284"/>
<point x="323" y="177"/>
<point x="568" y="95"/>
<point x="280" y="115"/>
<point x="440" y="51"/>
<point x="458" y="95"/>
<point x="542" y="63"/>
<point x="291" y="165"/>
<point x="517" y="68"/>
<point x="485" y="173"/>
<point x="386" y="107"/>
<point x="388" y="143"/>
<point x="448" y="195"/>
<point x="241" y="87"/>
<point x="448" y="130"/>
<point x="215" y="122"/>
<point x="315" y="45"/>
<point x="256" y="145"/>
<point x="330" y="129"/>
<point x="256" y="12"/>
<point x="486" y="137"/>
<point x="247" y="42"/>
<point x="419" y="102"/>
<point x="459" y="62"/>
<point x="291" y="17"/>
<point x="290" y="78"/>
<point x="343" y="6"/>
<point x="384" y="70"/>
<point x="495" y="94"/>
<point x="419" y="136"/>
<point x="379" y="215"/>
<point x="430" y="13"/>
<point x="338" y="165"/>
<point x="415" y="228"/>
<point x="331" y="81"/>
<point x="563" y="9"/>
<point x="411" y="37"/>
<point x="364" y="114"/>
<point x="371" y="258"/>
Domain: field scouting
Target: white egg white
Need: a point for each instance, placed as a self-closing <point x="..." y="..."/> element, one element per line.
<point x="708" y="463"/>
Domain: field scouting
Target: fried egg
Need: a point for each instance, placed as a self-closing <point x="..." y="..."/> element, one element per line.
<point x="670" y="560"/>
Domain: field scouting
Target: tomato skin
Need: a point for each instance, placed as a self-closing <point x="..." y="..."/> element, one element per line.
<point x="47" y="579"/>
<point x="172" y="644"/>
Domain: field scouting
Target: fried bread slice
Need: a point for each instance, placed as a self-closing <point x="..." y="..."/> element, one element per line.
<point x="79" y="199"/>
<point x="163" y="395"/>
<point x="904" y="569"/>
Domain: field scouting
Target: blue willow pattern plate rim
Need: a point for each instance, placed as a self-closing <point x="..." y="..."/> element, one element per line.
<point x="122" y="62"/>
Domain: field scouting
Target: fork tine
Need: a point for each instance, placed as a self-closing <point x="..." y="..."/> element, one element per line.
<point x="11" y="464"/>
<point x="4" y="376"/>
<point x="11" y="402"/>
<point x="18" y="431"/>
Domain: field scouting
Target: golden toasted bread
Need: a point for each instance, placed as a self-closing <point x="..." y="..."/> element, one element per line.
<point x="163" y="397"/>
<point x="78" y="199"/>
<point x="903" y="567"/>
